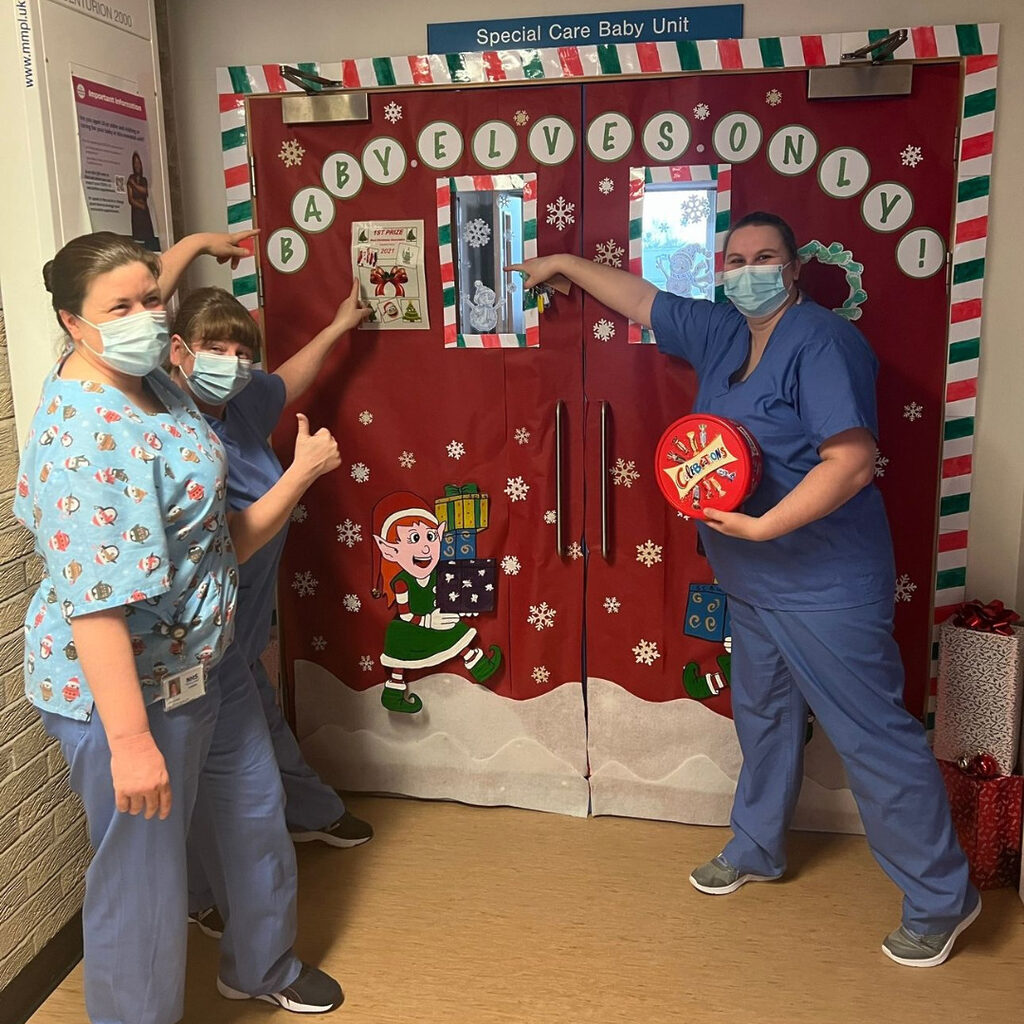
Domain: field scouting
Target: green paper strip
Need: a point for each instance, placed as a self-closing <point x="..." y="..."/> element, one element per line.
<point x="245" y="285"/>
<point x="969" y="39"/>
<point x="980" y="103"/>
<point x="962" y="427"/>
<point x="972" y="270"/>
<point x="689" y="55"/>
<point x="383" y="71"/>
<point x="947" y="579"/>
<point x="973" y="188"/>
<point x="240" y="79"/>
<point x="961" y="351"/>
<point x="239" y="212"/>
<point x="771" y="53"/>
<point x="608" y="57"/>
<point x="233" y="138"/>
<point x="954" y="504"/>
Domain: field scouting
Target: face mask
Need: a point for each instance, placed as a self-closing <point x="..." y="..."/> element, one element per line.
<point x="756" y="291"/>
<point x="135" y="344"/>
<point x="215" y="378"/>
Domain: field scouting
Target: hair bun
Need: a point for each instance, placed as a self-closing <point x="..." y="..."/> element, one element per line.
<point x="48" y="275"/>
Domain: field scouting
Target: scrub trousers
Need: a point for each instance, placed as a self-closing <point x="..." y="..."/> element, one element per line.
<point x="309" y="803"/>
<point x="845" y="665"/>
<point x="225" y="782"/>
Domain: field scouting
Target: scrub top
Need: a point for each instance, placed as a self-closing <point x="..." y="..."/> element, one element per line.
<point x="253" y="469"/>
<point x="815" y="379"/>
<point x="127" y="509"/>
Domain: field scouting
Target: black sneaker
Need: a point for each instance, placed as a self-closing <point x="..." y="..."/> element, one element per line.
<point x="311" y="992"/>
<point x="209" y="921"/>
<point x="348" y="830"/>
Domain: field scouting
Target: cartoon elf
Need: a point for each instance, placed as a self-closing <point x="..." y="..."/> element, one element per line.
<point x="405" y="559"/>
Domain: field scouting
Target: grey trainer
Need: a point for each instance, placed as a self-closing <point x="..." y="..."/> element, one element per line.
<point x="718" y="877"/>
<point x="913" y="950"/>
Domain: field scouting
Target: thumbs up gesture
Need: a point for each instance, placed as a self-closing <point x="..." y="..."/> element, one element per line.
<point x="315" y="454"/>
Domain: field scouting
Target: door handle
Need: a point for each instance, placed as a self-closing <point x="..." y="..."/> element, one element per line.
<point x="604" y="480"/>
<point x="559" y="417"/>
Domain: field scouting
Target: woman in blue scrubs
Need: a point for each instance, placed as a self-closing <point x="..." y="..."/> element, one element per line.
<point x="808" y="567"/>
<point x="214" y="342"/>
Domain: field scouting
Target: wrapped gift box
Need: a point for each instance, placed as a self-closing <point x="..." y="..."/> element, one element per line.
<point x="978" y="706"/>
<point x="987" y="815"/>
<point x="458" y="544"/>
<point x="467" y="586"/>
<point x="707" y="612"/>
<point x="463" y="507"/>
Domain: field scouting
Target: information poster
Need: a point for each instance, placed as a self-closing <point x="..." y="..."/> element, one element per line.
<point x="388" y="258"/>
<point x="113" y="139"/>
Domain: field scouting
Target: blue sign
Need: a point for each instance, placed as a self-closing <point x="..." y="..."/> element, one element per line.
<point x="664" y="25"/>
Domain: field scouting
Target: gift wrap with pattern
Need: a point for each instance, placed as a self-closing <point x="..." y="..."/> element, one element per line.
<point x="979" y="695"/>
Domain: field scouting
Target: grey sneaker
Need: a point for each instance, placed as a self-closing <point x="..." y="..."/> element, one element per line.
<point x="718" y="877"/>
<point x="209" y="921"/>
<point x="913" y="950"/>
<point x="311" y="992"/>
<point x="348" y="830"/>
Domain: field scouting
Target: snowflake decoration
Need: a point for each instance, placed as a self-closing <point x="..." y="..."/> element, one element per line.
<point x="477" y="233"/>
<point x="366" y="663"/>
<point x="540" y="675"/>
<point x="305" y="584"/>
<point x="575" y="550"/>
<point x="560" y="213"/>
<point x="702" y="111"/>
<point x="407" y="460"/>
<point x="456" y="449"/>
<point x="624" y="473"/>
<point x="360" y="472"/>
<point x="612" y="605"/>
<point x="773" y="97"/>
<point x="349" y="533"/>
<point x="366" y="417"/>
<point x="517" y="488"/>
<point x="609" y="253"/>
<point x="551" y="517"/>
<point x="521" y="118"/>
<point x="522" y="435"/>
<point x="913" y="411"/>
<point x="911" y="156"/>
<point x="291" y="153"/>
<point x="646" y="652"/>
<point x="648" y="553"/>
<point x="393" y="113"/>
<point x="351" y="603"/>
<point x="510" y="565"/>
<point x="880" y="463"/>
<point x="905" y="588"/>
<point x="299" y="514"/>
<point x="694" y="209"/>
<point x="604" y="330"/>
<point x="318" y="643"/>
<point x="606" y="186"/>
<point x="542" y="616"/>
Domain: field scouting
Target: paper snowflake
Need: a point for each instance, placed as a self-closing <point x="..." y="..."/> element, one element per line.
<point x="551" y="517"/>
<point x="694" y="209"/>
<point x="542" y="616"/>
<point x="349" y="533"/>
<point x="366" y="663"/>
<point x="366" y="417"/>
<point x="702" y="111"/>
<point x="305" y="584"/>
<point x="560" y="213"/>
<point x="624" y="473"/>
<point x="299" y="514"/>
<point x="880" y="463"/>
<point x="604" y="330"/>
<point x="291" y="153"/>
<point x="517" y="488"/>
<point x="407" y="460"/>
<point x="456" y="449"/>
<point x="609" y="253"/>
<point x="612" y="605"/>
<point x="521" y="118"/>
<point x="351" y="603"/>
<point x="575" y="550"/>
<point x="510" y="565"/>
<point x="540" y="675"/>
<point x="360" y="472"/>
<point x="913" y="411"/>
<point x="905" y="588"/>
<point x="646" y="652"/>
<point x="773" y="97"/>
<point x="522" y="435"/>
<point x="477" y="233"/>
<point x="318" y="643"/>
<point x="393" y="112"/>
<point x="911" y="156"/>
<point x="606" y="186"/>
<point x="648" y="553"/>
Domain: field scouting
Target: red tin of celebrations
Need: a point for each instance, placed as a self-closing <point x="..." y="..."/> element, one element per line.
<point x="707" y="462"/>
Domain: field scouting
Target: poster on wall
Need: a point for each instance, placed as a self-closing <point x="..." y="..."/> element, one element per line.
<point x="388" y="258"/>
<point x="113" y="139"/>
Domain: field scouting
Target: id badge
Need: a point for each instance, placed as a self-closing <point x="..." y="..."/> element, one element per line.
<point x="183" y="687"/>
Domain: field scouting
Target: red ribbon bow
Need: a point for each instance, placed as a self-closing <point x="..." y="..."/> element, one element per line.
<point x="395" y="276"/>
<point x="993" y="617"/>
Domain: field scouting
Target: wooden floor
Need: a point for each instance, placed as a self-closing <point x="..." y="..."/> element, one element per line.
<point x="462" y="914"/>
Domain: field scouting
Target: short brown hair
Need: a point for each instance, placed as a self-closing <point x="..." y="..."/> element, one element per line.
<point x="212" y="314"/>
<point x="761" y="219"/>
<point x="70" y="273"/>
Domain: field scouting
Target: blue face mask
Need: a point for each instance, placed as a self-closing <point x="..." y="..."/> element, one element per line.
<point x="756" y="291"/>
<point x="216" y="379"/>
<point x="135" y="344"/>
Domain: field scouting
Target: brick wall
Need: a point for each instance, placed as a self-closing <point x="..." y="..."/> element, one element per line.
<point x="43" y="842"/>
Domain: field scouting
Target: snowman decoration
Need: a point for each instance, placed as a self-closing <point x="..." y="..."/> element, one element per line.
<point x="483" y="311"/>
